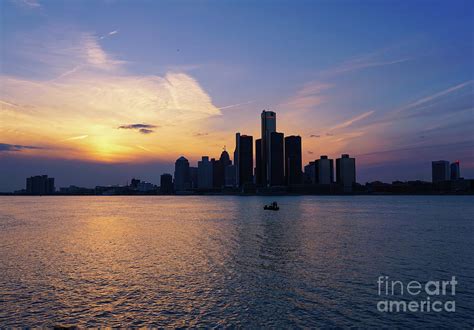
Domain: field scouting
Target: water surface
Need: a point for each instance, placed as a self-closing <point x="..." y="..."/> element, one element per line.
<point x="223" y="260"/>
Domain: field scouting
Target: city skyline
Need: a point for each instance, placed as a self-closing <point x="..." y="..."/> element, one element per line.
<point x="95" y="98"/>
<point x="275" y="167"/>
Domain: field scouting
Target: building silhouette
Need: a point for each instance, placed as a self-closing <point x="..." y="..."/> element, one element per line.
<point x="182" y="179"/>
<point x="310" y="173"/>
<point x="230" y="176"/>
<point x="268" y="126"/>
<point x="455" y="171"/>
<point x="440" y="171"/>
<point x="243" y="159"/>
<point x="134" y="183"/>
<point x="166" y="184"/>
<point x="346" y="172"/>
<point x="258" y="162"/>
<point x="324" y="170"/>
<point x="219" y="168"/>
<point x="204" y="173"/>
<point x="144" y="186"/>
<point x="277" y="161"/>
<point x="293" y="160"/>
<point x="40" y="185"/>
<point x="193" y="177"/>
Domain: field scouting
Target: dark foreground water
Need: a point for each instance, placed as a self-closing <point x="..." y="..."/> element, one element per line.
<point x="210" y="261"/>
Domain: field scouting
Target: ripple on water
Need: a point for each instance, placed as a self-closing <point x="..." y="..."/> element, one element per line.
<point x="221" y="261"/>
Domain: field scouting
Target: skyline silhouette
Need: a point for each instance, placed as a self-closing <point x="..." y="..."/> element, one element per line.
<point x="273" y="164"/>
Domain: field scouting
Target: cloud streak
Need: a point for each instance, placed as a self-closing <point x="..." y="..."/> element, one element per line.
<point x="309" y="96"/>
<point x="137" y="126"/>
<point x="201" y="134"/>
<point x="31" y="4"/>
<point x="353" y="120"/>
<point x="16" y="147"/>
<point x="379" y="58"/>
<point x="235" y="105"/>
<point x="80" y="137"/>
<point x="433" y="97"/>
<point x="361" y="63"/>
<point x="111" y="33"/>
<point x="142" y="128"/>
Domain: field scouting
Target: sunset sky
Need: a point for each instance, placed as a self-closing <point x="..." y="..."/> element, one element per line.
<point x="97" y="92"/>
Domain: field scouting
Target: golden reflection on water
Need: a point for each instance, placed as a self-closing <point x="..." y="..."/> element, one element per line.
<point x="209" y="261"/>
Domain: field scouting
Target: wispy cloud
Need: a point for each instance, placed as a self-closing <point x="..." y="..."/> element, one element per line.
<point x="449" y="103"/>
<point x="111" y="33"/>
<point x="142" y="128"/>
<point x="96" y="56"/>
<point x="363" y="63"/>
<point x="378" y="58"/>
<point x="314" y="136"/>
<point x="79" y="137"/>
<point x="457" y="144"/>
<point x="31" y="4"/>
<point x="433" y="97"/>
<point x="201" y="134"/>
<point x="10" y="104"/>
<point x="67" y="73"/>
<point x="58" y="52"/>
<point x="351" y="121"/>
<point x="143" y="148"/>
<point x="137" y="126"/>
<point x="309" y="96"/>
<point x="235" y="105"/>
<point x="16" y="147"/>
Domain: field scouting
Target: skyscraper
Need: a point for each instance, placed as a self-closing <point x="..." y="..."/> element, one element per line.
<point x="258" y="162"/>
<point x="166" y="183"/>
<point x="230" y="176"/>
<point x="40" y="185"/>
<point x="268" y="126"/>
<point x="277" y="167"/>
<point x="455" y="171"/>
<point x="346" y="172"/>
<point x="193" y="177"/>
<point x="218" y="169"/>
<point x="243" y="159"/>
<point x="310" y="173"/>
<point x="204" y="179"/>
<point x="293" y="161"/>
<point x="440" y="171"/>
<point x="134" y="183"/>
<point x="324" y="170"/>
<point x="182" y="179"/>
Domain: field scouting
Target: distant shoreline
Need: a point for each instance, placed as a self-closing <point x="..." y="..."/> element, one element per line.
<point x="248" y="195"/>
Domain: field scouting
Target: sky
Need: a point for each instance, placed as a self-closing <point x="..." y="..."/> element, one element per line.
<point x="95" y="92"/>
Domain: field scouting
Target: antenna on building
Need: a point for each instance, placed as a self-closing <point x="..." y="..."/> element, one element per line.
<point x="224" y="148"/>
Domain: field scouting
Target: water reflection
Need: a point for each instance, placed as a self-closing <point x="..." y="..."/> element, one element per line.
<point x="210" y="261"/>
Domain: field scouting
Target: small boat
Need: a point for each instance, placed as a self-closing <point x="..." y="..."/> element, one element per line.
<point x="272" y="207"/>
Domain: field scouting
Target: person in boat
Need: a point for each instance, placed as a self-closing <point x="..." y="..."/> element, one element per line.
<point x="272" y="206"/>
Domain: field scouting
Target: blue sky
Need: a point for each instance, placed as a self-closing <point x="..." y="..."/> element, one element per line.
<point x="390" y="82"/>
